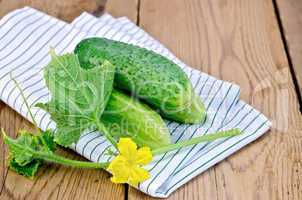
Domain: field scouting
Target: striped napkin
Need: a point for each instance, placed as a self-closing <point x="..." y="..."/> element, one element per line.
<point x="25" y="38"/>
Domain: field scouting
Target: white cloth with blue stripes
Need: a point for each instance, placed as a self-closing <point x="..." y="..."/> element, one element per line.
<point x="25" y="38"/>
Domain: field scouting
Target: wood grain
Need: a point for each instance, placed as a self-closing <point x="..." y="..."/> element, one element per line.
<point x="6" y="116"/>
<point x="236" y="40"/>
<point x="291" y="17"/>
<point x="239" y="41"/>
<point x="123" y="8"/>
<point x="54" y="182"/>
<point x="66" y="10"/>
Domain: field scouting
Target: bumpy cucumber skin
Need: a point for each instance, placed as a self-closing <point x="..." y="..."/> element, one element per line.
<point x="127" y="117"/>
<point x="148" y="75"/>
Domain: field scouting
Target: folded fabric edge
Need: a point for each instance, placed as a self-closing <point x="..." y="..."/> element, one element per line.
<point x="159" y="190"/>
<point x="162" y="193"/>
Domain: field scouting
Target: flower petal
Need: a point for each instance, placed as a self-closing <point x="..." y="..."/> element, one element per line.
<point x="138" y="175"/>
<point x="127" y="148"/>
<point x="125" y="167"/>
<point x="143" y="156"/>
<point x="120" y="170"/>
<point x="118" y="161"/>
<point x="118" y="180"/>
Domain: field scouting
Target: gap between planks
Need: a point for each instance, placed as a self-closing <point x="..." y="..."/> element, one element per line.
<point x="287" y="52"/>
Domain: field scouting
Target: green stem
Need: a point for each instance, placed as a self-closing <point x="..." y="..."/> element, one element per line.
<point x="204" y="138"/>
<point x="51" y="157"/>
<point x="25" y="100"/>
<point x="103" y="129"/>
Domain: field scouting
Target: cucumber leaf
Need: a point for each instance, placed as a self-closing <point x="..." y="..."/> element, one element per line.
<point x="16" y="147"/>
<point x="78" y="96"/>
<point x="22" y="151"/>
<point x="22" y="148"/>
<point x="28" y="152"/>
<point x="28" y="170"/>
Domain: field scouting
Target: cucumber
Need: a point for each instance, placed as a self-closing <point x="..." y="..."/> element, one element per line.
<point x="127" y="117"/>
<point x="147" y="75"/>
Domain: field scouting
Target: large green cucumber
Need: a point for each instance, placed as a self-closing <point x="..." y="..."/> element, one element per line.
<point x="148" y="75"/>
<point x="127" y="117"/>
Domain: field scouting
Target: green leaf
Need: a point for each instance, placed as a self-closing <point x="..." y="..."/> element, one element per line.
<point x="22" y="157"/>
<point x="22" y="149"/>
<point x="28" y="152"/>
<point x="16" y="147"/>
<point x="78" y="96"/>
<point x="47" y="140"/>
<point x="28" y="170"/>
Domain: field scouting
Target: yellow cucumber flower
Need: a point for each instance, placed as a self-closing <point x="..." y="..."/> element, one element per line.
<point x="126" y="167"/>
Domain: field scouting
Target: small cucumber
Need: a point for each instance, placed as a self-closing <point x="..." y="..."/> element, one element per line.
<point x="148" y="75"/>
<point x="127" y="117"/>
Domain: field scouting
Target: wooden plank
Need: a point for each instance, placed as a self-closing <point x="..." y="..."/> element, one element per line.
<point x="238" y="41"/>
<point x="54" y="182"/>
<point x="6" y="116"/>
<point x="291" y="17"/>
<point x="66" y="10"/>
<point x="123" y="8"/>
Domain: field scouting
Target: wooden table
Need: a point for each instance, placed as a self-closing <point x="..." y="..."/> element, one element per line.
<point x="254" y="43"/>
